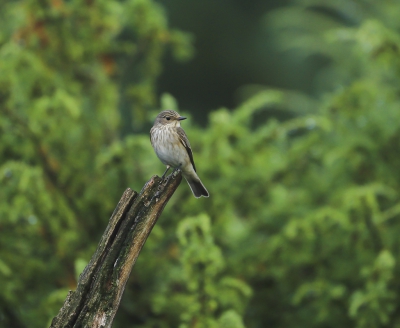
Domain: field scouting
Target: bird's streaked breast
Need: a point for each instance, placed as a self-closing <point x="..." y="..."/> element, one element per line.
<point x="167" y="145"/>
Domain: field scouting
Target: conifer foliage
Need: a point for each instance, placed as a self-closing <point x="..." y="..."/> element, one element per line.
<point x="302" y="226"/>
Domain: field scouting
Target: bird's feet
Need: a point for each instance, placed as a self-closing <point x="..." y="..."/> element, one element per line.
<point x="168" y="167"/>
<point x="178" y="168"/>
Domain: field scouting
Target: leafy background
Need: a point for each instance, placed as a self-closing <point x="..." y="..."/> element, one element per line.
<point x="294" y="122"/>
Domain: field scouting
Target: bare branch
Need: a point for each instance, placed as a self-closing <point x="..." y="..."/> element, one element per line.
<point x="102" y="283"/>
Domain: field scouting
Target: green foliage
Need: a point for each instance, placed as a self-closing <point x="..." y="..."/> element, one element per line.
<point x="59" y="133"/>
<point x="301" y="228"/>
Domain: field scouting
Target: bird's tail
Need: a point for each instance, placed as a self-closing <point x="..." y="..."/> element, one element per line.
<point x="196" y="185"/>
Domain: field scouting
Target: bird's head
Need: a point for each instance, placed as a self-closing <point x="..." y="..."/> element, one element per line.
<point x="169" y="117"/>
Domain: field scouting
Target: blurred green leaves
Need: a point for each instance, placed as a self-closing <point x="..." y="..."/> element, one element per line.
<point x="374" y="305"/>
<point x="60" y="134"/>
<point x="301" y="229"/>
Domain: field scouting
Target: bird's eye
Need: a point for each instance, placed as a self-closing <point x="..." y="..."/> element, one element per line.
<point x="168" y="118"/>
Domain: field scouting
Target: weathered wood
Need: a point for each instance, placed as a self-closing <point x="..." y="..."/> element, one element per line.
<point x="102" y="283"/>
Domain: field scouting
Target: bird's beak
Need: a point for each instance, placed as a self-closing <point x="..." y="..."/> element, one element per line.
<point x="181" y="118"/>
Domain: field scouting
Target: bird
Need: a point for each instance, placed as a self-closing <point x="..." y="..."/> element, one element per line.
<point x="172" y="147"/>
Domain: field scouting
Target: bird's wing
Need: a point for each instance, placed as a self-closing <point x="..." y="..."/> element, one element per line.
<point x="185" y="142"/>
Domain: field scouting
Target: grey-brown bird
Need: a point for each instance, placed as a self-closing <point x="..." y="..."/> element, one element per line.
<point x="172" y="147"/>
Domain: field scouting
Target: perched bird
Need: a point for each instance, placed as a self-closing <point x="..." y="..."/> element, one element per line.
<point x="173" y="149"/>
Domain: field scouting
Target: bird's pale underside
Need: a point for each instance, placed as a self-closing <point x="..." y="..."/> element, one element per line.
<point x="172" y="147"/>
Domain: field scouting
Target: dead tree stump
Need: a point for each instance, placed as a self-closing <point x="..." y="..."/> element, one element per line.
<point x="95" y="301"/>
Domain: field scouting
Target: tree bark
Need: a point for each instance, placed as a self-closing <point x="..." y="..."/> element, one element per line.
<point x="95" y="301"/>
